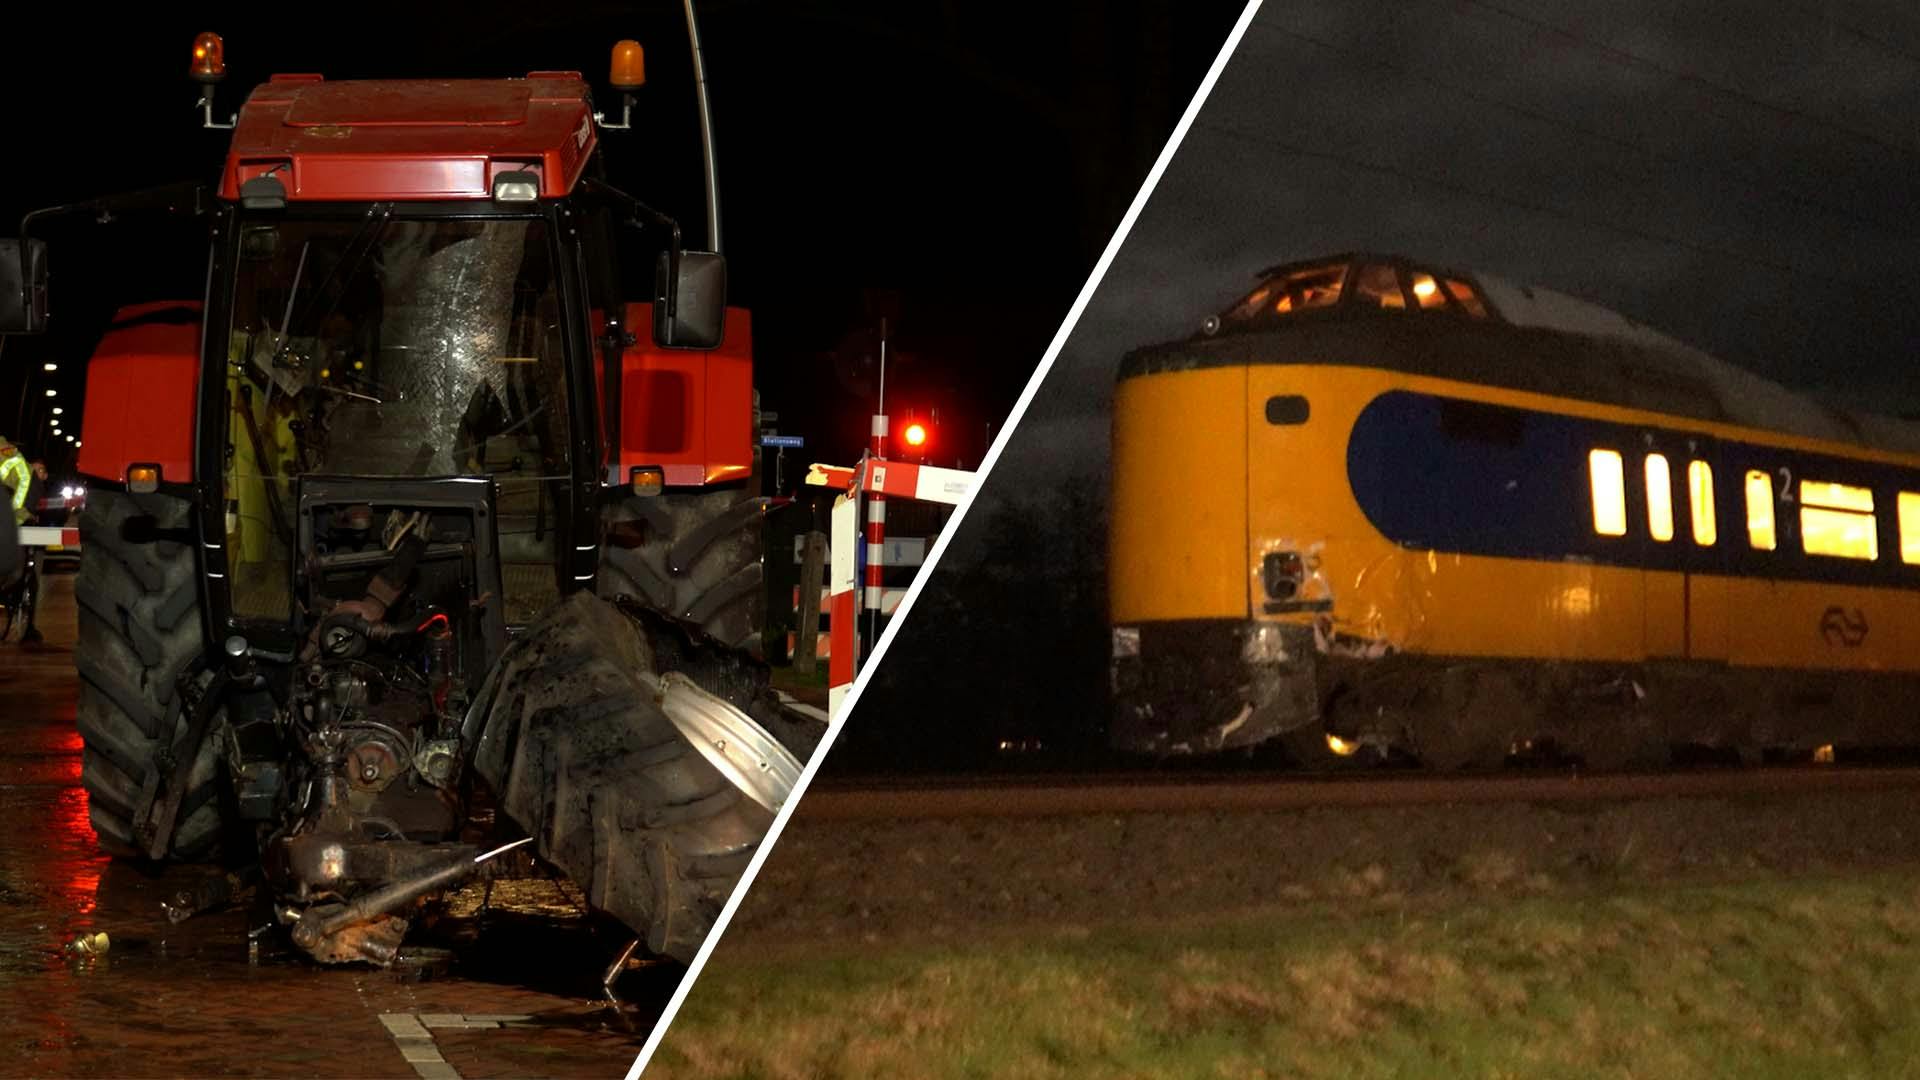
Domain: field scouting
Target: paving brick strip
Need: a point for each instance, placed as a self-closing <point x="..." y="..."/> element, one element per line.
<point x="413" y="1034"/>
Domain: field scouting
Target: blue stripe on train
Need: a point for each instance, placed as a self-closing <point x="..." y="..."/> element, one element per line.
<point x="1459" y="476"/>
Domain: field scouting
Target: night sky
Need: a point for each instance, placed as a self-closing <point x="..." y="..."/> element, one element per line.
<point x="952" y="167"/>
<point x="1741" y="176"/>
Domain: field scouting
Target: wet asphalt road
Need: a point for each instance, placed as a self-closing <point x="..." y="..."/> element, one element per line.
<point x="512" y="994"/>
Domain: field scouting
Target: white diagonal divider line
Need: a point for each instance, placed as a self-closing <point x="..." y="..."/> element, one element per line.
<point x="946" y="535"/>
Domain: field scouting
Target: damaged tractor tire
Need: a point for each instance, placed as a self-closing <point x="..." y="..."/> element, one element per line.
<point x="140" y="630"/>
<point x="581" y="754"/>
<point x="695" y="555"/>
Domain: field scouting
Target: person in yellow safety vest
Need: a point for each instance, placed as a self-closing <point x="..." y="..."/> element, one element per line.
<point x="15" y="474"/>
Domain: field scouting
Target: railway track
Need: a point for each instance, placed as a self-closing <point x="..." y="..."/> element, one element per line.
<point x="1069" y="794"/>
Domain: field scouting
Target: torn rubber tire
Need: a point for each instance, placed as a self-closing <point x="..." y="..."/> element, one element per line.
<point x="695" y="555"/>
<point x="140" y="630"/>
<point x="580" y="754"/>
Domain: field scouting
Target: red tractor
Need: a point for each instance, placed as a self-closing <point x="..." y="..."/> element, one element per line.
<point x="399" y="548"/>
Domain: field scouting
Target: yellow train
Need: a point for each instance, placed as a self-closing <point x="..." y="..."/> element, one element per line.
<point x="1379" y="504"/>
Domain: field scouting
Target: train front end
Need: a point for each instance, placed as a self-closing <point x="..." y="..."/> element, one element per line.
<point x="1213" y="640"/>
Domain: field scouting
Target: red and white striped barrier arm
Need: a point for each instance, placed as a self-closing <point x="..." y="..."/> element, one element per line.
<point x="897" y="478"/>
<point x="923" y="482"/>
<point x="841" y="611"/>
<point x="833" y="476"/>
<point x="49" y="536"/>
<point x="878" y="479"/>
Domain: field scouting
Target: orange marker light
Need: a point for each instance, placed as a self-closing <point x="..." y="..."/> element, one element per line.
<point x="143" y="479"/>
<point x="209" y="59"/>
<point x="629" y="70"/>
<point x="915" y="435"/>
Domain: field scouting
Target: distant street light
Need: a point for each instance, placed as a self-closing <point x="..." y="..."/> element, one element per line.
<point x="52" y="366"/>
<point x="51" y="392"/>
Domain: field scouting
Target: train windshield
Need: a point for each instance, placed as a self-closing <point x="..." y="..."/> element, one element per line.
<point x="1371" y="286"/>
<point x="1285" y="294"/>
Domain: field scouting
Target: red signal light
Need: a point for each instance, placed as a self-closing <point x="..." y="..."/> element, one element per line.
<point x="916" y="435"/>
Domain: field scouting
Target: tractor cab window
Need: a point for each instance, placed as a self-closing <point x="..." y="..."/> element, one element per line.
<point x="383" y="346"/>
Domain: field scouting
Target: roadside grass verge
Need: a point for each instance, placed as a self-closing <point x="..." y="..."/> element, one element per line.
<point x="1763" y="979"/>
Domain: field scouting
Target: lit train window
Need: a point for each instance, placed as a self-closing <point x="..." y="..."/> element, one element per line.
<point x="1609" y="492"/>
<point x="1469" y="300"/>
<point x="1317" y="287"/>
<point x="1836" y="519"/>
<point x="1760" y="510"/>
<point x="1376" y="284"/>
<point x="1700" y="495"/>
<point x="1909" y="527"/>
<point x="1659" y="498"/>
<point x="1252" y="305"/>
<point x="1426" y="291"/>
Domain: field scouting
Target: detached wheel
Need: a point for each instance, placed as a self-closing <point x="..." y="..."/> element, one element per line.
<point x="140" y="629"/>
<point x="582" y="754"/>
<point x="695" y="556"/>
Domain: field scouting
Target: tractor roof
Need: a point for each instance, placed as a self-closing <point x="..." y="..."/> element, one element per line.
<point x="412" y="138"/>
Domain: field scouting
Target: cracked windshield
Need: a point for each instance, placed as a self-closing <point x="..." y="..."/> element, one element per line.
<point x="388" y="347"/>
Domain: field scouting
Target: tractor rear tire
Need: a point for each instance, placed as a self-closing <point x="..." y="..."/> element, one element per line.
<point x="580" y="755"/>
<point x="140" y="629"/>
<point x="694" y="555"/>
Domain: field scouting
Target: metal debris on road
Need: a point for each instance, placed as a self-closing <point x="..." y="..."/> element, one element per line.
<point x="94" y="944"/>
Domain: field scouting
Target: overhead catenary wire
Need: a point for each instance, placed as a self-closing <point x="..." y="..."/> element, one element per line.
<point x="1632" y="59"/>
<point x="1827" y="280"/>
<point x="1491" y="101"/>
<point x="1887" y="47"/>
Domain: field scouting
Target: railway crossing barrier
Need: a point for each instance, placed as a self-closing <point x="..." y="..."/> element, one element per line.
<point x="64" y="538"/>
<point x="848" y="589"/>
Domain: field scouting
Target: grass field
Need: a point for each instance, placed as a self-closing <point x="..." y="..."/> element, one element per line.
<point x="1807" y="978"/>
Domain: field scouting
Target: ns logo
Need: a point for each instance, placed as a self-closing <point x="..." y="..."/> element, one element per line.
<point x="1842" y="627"/>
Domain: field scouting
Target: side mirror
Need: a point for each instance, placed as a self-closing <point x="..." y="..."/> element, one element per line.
<point x="23" y="286"/>
<point x="699" y="299"/>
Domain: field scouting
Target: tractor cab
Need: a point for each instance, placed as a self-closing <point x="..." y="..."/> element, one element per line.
<point x="406" y="459"/>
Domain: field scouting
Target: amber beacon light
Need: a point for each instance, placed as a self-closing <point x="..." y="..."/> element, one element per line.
<point x="629" y="68"/>
<point x="209" y="59"/>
